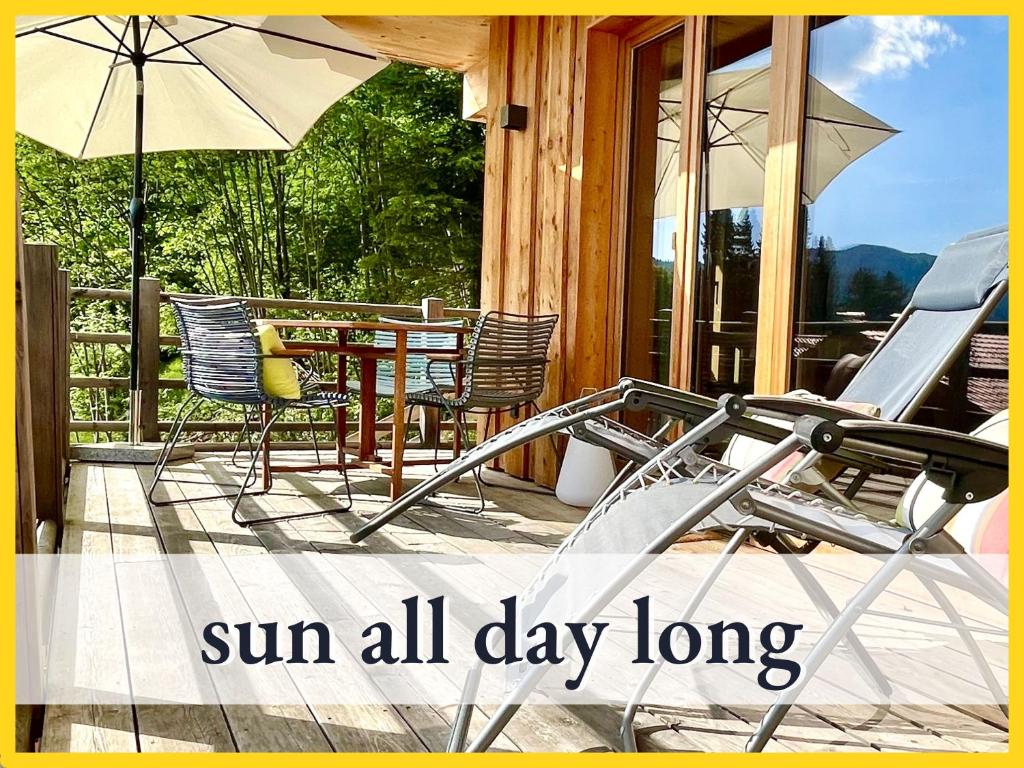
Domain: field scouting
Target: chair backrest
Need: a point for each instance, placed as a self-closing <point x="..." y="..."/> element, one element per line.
<point x="220" y="353"/>
<point x="507" y="358"/>
<point x="416" y="365"/>
<point x="949" y="305"/>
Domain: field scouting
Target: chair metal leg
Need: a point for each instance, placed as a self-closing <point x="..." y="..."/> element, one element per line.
<point x="464" y="714"/>
<point x="460" y="424"/>
<point x="977" y="655"/>
<point x="629" y="713"/>
<point x="181" y="416"/>
<point x="248" y="414"/>
<point x="177" y="427"/>
<point x="830" y="612"/>
<point x="312" y="434"/>
<point x="251" y="476"/>
<point x="837" y="631"/>
<point x="408" y="421"/>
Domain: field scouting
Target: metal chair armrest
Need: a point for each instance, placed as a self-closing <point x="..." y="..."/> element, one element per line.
<point x="438" y="388"/>
<point x="967" y="468"/>
<point x="292" y="353"/>
<point x="454" y="357"/>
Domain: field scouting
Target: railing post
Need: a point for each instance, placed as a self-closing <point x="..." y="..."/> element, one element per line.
<point x="24" y="466"/>
<point x="62" y="366"/>
<point x="146" y="426"/>
<point x="433" y="308"/>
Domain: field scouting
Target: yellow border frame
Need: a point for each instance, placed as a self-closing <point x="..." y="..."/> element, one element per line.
<point x="8" y="757"/>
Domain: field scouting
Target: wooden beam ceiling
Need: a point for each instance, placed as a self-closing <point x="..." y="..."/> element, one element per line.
<point x="448" y="42"/>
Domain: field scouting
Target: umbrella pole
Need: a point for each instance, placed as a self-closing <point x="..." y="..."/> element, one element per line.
<point x="136" y="214"/>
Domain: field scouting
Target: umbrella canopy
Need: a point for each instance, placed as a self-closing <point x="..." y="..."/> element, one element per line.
<point x="224" y="82"/>
<point x="94" y="86"/>
<point x="736" y="105"/>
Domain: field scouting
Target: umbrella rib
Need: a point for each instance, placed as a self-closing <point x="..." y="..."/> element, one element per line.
<point x="103" y="93"/>
<point x="109" y="31"/>
<point x="54" y="25"/>
<point x="294" y="38"/>
<point x="85" y="43"/>
<point x="227" y="85"/>
<point x="831" y="121"/>
<point x="185" y="43"/>
<point x="149" y="31"/>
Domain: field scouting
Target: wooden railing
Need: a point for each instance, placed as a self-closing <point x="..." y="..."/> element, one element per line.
<point x="41" y="328"/>
<point x="151" y="297"/>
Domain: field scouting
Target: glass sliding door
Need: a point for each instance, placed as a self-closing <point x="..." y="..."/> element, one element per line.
<point x="732" y="194"/>
<point x="902" y="155"/>
<point x="652" y="200"/>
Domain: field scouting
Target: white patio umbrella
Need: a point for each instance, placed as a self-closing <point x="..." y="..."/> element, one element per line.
<point x="736" y="105"/>
<point x="95" y="86"/>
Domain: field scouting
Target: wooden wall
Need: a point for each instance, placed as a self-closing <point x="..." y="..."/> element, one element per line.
<point x="555" y="194"/>
<point x="547" y="233"/>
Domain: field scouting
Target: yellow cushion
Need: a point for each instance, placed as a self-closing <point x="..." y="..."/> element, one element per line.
<point x="279" y="377"/>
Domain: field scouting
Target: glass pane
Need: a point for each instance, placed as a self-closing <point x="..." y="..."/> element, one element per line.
<point x="905" y="152"/>
<point x="735" y="145"/>
<point x="650" y="248"/>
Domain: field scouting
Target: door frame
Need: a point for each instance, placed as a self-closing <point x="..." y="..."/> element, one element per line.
<point x="611" y="45"/>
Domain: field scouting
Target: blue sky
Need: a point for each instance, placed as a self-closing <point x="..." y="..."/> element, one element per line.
<point x="943" y="82"/>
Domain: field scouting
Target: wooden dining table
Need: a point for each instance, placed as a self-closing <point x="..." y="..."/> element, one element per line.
<point x="368" y="355"/>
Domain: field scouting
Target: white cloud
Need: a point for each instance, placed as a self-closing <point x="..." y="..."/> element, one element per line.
<point x="895" y="45"/>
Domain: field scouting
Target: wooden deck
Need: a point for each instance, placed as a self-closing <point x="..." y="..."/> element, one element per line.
<point x="107" y="512"/>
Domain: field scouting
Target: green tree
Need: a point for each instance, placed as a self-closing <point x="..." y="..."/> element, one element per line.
<point x="381" y="202"/>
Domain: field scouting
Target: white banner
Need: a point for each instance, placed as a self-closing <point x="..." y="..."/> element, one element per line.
<point x="694" y="629"/>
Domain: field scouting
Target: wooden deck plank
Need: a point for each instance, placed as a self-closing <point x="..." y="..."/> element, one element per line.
<point x="890" y="728"/>
<point x="269" y="728"/>
<point x="892" y="732"/>
<point x="513" y="522"/>
<point x="468" y="534"/>
<point x="95" y="727"/>
<point x="329" y="535"/>
<point x="350" y="728"/>
<point x="256" y="728"/>
<point x="535" y="728"/>
<point x="161" y="727"/>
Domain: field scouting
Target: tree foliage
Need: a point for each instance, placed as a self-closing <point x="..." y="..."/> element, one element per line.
<point x="380" y="202"/>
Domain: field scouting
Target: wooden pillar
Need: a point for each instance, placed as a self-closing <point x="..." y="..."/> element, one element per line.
<point x="433" y="308"/>
<point x="47" y="383"/>
<point x="149" y="360"/>
<point x="780" y="233"/>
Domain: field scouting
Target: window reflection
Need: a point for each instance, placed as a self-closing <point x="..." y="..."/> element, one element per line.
<point x="654" y="169"/>
<point x="728" y="261"/>
<point x="880" y="206"/>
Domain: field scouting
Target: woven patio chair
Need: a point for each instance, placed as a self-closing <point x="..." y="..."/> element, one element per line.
<point x="501" y="371"/>
<point x="223" y="363"/>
